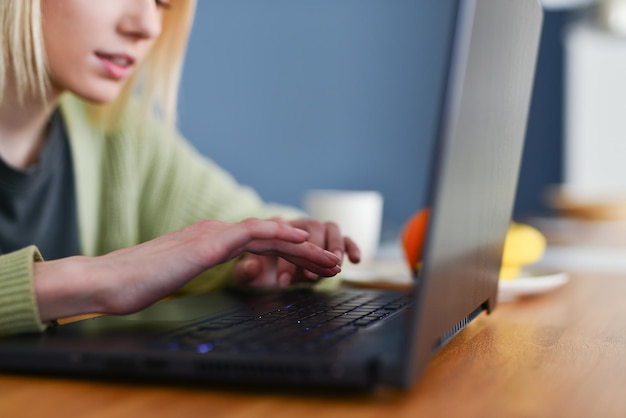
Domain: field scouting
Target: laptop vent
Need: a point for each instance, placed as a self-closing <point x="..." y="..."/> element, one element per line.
<point x="448" y="335"/>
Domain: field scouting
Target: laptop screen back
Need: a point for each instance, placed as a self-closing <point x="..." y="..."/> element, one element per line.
<point x="477" y="154"/>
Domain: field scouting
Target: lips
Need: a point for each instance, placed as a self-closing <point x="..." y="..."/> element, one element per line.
<point x="116" y="66"/>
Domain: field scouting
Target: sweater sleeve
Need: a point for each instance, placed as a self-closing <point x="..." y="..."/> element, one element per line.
<point x="18" y="307"/>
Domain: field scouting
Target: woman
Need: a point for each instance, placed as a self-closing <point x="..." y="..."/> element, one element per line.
<point x="94" y="176"/>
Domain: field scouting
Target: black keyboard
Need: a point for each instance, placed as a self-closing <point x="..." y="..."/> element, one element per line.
<point x="312" y="322"/>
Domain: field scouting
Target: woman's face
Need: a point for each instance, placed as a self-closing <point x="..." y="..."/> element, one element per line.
<point x="93" y="46"/>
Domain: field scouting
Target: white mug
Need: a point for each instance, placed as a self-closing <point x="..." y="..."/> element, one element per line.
<point x="357" y="212"/>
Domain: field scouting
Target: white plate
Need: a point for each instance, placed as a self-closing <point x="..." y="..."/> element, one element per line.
<point x="382" y="273"/>
<point x="529" y="284"/>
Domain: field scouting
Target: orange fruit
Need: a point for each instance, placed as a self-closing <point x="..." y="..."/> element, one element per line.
<point x="413" y="236"/>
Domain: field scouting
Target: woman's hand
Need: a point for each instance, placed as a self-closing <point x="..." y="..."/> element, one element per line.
<point x="263" y="271"/>
<point x="130" y="279"/>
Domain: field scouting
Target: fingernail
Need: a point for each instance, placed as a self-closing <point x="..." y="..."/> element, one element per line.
<point x="335" y="256"/>
<point x="302" y="232"/>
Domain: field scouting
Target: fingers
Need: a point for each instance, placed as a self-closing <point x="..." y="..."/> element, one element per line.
<point x="256" y="271"/>
<point x="306" y="255"/>
<point x="341" y="245"/>
<point x="215" y="242"/>
<point x="352" y="249"/>
<point x="287" y="272"/>
<point x="262" y="272"/>
<point x="238" y="238"/>
<point x="323" y="234"/>
<point x="334" y="239"/>
<point x="272" y="229"/>
<point x="247" y="269"/>
<point x="302" y="250"/>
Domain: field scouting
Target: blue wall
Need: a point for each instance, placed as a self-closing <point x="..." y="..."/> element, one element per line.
<point x="542" y="162"/>
<point x="290" y="95"/>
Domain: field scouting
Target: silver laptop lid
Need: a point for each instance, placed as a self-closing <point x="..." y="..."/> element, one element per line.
<point x="477" y="159"/>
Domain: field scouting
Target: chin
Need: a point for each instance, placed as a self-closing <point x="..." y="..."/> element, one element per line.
<point x="98" y="98"/>
<point x="101" y="93"/>
<point x="97" y="91"/>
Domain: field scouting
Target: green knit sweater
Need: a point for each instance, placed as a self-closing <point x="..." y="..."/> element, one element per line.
<point x="130" y="187"/>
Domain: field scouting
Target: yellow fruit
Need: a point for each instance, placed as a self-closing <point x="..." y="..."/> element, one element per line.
<point x="523" y="245"/>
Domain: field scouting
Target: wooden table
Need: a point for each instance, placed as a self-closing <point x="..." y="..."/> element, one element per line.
<point x="562" y="354"/>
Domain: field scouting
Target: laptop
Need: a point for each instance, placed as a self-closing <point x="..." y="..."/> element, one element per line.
<point x="350" y="338"/>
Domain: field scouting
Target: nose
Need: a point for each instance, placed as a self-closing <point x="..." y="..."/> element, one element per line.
<point x="142" y="20"/>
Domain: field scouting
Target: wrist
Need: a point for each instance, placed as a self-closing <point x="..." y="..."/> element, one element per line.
<point x="63" y="288"/>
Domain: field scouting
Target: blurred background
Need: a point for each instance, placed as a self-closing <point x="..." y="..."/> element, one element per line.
<point x="291" y="95"/>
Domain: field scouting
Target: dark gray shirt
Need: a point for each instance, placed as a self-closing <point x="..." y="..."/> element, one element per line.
<point x="38" y="205"/>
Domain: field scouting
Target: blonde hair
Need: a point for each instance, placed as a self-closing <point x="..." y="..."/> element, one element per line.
<point x="156" y="81"/>
<point x="21" y="40"/>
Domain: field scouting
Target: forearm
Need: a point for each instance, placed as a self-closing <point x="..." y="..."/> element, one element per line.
<point x="130" y="279"/>
<point x="65" y="288"/>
